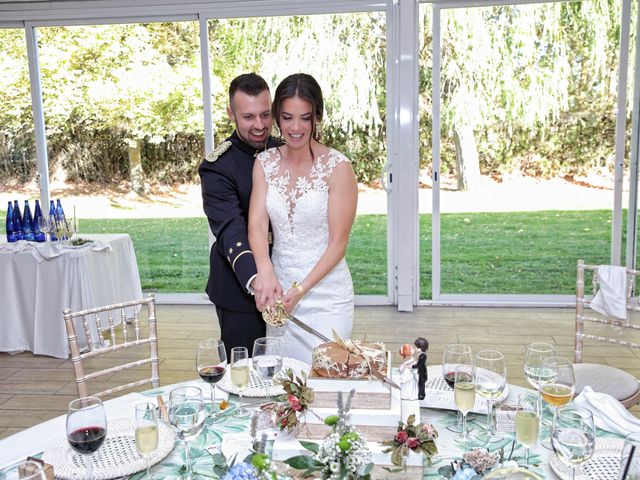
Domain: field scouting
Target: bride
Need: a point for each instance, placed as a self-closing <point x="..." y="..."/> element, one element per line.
<point x="309" y="194"/>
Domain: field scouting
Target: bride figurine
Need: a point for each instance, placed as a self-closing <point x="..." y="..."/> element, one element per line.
<point x="408" y="374"/>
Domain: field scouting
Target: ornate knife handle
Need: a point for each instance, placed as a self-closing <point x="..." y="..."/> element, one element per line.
<point x="276" y="317"/>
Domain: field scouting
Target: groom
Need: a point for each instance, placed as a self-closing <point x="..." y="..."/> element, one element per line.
<point x="226" y="178"/>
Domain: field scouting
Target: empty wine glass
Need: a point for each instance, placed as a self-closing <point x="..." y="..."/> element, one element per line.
<point x="527" y="422"/>
<point x="86" y="427"/>
<point x="211" y="363"/>
<point x="146" y="416"/>
<point x="455" y="354"/>
<point x="491" y="380"/>
<point x="267" y="359"/>
<point x="464" y="392"/>
<point x="573" y="436"/>
<point x="186" y="413"/>
<point x="240" y="374"/>
<point x="630" y="458"/>
<point x="47" y="225"/>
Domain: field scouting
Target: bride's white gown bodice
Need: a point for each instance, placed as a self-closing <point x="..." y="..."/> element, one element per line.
<point x="298" y="210"/>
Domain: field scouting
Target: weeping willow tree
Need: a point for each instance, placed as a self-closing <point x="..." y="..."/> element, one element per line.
<point x="515" y="77"/>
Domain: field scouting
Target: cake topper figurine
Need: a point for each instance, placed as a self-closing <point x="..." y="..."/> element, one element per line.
<point x="421" y="366"/>
<point x="408" y="374"/>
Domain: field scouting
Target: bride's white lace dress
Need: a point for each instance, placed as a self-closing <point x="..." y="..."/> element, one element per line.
<point x="298" y="213"/>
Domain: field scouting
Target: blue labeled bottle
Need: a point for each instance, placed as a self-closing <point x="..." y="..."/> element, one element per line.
<point x="53" y="217"/>
<point x="27" y="222"/>
<point x="37" y="230"/>
<point x="11" y="236"/>
<point x="17" y="221"/>
<point x="60" y="214"/>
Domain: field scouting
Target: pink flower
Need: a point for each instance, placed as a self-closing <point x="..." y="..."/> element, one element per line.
<point x="413" y="442"/>
<point x="294" y="403"/>
<point x="428" y="428"/>
<point x="401" y="436"/>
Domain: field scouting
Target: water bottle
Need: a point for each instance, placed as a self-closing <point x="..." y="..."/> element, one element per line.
<point x="17" y="221"/>
<point x="37" y="229"/>
<point x="60" y="216"/>
<point x="53" y="218"/>
<point x="11" y="236"/>
<point x="27" y="222"/>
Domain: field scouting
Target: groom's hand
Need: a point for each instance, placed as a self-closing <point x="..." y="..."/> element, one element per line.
<point x="267" y="290"/>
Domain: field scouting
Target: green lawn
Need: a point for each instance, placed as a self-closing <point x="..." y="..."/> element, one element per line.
<point x="522" y="252"/>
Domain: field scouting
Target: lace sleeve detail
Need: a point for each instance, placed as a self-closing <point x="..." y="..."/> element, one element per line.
<point x="269" y="160"/>
<point x="325" y="165"/>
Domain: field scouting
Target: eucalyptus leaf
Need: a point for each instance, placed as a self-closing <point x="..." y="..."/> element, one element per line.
<point x="311" y="446"/>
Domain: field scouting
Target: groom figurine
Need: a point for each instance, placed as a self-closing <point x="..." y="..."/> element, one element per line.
<point x="226" y="178"/>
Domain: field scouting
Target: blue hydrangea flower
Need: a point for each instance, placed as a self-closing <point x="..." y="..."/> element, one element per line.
<point x="467" y="473"/>
<point x="241" y="471"/>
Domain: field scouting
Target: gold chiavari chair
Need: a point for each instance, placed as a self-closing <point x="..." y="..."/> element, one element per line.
<point x="605" y="378"/>
<point x="98" y="345"/>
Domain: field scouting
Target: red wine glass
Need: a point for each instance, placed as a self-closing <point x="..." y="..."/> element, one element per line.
<point x="211" y="363"/>
<point x="86" y="427"/>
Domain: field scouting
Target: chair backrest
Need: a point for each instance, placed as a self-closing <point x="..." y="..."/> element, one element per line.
<point x="584" y="313"/>
<point x="97" y="345"/>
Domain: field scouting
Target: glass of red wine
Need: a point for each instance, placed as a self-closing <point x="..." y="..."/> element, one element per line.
<point x="86" y="427"/>
<point x="455" y="354"/>
<point x="211" y="363"/>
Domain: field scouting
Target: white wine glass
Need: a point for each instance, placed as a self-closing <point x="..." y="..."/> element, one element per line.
<point x="534" y="370"/>
<point x="86" y="427"/>
<point x="211" y="363"/>
<point x="490" y="380"/>
<point x="630" y="458"/>
<point x="267" y="359"/>
<point x="186" y="413"/>
<point x="240" y="374"/>
<point x="573" y="436"/>
<point x="47" y="225"/>
<point x="146" y="418"/>
<point x="560" y="391"/>
<point x="527" y="422"/>
<point x="455" y="354"/>
<point x="464" y="393"/>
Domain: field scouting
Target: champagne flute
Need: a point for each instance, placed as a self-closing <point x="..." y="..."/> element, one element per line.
<point x="267" y="359"/>
<point x="464" y="393"/>
<point x="630" y="458"/>
<point x="455" y="354"/>
<point x="86" y="427"/>
<point x="240" y="375"/>
<point x="573" y="436"/>
<point x="211" y="363"/>
<point x="186" y="413"/>
<point x="527" y="422"/>
<point x="491" y="380"/>
<point x="146" y="431"/>
<point x="534" y="370"/>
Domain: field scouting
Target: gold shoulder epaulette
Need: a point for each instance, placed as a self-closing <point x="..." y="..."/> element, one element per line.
<point x="219" y="150"/>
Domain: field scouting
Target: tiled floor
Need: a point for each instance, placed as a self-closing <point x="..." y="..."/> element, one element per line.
<point x="34" y="388"/>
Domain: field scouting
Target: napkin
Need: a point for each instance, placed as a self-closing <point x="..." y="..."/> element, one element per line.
<point x="611" y="298"/>
<point x="608" y="413"/>
<point x="49" y="251"/>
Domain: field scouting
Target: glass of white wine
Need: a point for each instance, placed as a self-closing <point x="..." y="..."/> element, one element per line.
<point x="240" y="374"/>
<point x="559" y="392"/>
<point x="534" y="369"/>
<point x="146" y="431"/>
<point x="491" y="380"/>
<point x="573" y="436"/>
<point x="527" y="422"/>
<point x="455" y="354"/>
<point x="464" y="393"/>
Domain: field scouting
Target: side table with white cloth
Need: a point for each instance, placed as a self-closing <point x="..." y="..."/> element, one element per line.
<point x="38" y="281"/>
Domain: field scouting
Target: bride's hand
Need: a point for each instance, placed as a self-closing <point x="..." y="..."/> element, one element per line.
<point x="291" y="299"/>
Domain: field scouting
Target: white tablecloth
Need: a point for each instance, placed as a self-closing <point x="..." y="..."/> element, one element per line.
<point x="34" y="291"/>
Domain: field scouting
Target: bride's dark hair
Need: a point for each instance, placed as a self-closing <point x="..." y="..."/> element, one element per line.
<point x="304" y="86"/>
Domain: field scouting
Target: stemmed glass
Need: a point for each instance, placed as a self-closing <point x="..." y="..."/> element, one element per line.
<point x="267" y="359"/>
<point x="561" y="390"/>
<point x="535" y="371"/>
<point x="211" y="363"/>
<point x="464" y="393"/>
<point x="527" y="422"/>
<point x="86" y="427"/>
<point x="491" y="380"/>
<point x="573" y="436"/>
<point x="455" y="354"/>
<point x="47" y="225"/>
<point x="146" y="431"/>
<point x="240" y="373"/>
<point x="186" y="413"/>
<point x="630" y="458"/>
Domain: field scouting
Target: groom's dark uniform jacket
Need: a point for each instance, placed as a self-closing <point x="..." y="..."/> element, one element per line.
<point x="226" y="178"/>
